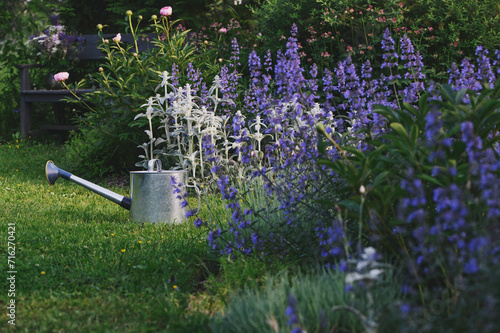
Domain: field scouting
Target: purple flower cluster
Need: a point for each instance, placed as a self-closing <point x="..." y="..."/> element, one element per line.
<point x="177" y="188"/>
<point x="293" y="315"/>
<point x="198" y="85"/>
<point x="55" y="43"/>
<point x="449" y="221"/>
<point x="484" y="166"/>
<point x="414" y="65"/>
<point x="289" y="72"/>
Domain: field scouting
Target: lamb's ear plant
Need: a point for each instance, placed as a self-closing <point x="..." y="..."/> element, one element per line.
<point x="184" y="123"/>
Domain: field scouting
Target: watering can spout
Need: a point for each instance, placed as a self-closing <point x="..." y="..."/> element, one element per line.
<point x="52" y="172"/>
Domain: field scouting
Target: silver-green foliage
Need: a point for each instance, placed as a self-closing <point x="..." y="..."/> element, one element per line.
<point x="317" y="295"/>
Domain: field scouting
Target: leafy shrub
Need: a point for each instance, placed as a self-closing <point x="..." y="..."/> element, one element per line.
<point x="434" y="153"/>
<point x="16" y="25"/>
<point x="425" y="191"/>
<point x="275" y="17"/>
<point x="83" y="16"/>
<point x="459" y="27"/>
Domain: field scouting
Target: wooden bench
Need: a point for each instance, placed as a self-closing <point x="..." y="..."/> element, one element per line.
<point x="90" y="52"/>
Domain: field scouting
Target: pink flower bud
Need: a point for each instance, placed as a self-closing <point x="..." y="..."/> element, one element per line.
<point x="118" y="38"/>
<point x="62" y="76"/>
<point x="166" y="11"/>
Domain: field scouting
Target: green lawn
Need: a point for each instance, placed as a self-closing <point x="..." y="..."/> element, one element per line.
<point x="83" y="265"/>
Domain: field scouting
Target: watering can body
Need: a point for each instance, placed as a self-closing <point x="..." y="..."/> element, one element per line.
<point x="153" y="198"/>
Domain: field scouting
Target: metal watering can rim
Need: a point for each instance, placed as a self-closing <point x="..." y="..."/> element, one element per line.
<point x="157" y="163"/>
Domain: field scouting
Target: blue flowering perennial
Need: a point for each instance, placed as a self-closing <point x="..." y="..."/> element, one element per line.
<point x="445" y="222"/>
<point x="269" y="145"/>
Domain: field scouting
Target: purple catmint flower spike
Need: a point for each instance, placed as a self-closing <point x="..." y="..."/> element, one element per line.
<point x="390" y="56"/>
<point x="468" y="76"/>
<point x="235" y="53"/>
<point x="484" y="69"/>
<point x="414" y="66"/>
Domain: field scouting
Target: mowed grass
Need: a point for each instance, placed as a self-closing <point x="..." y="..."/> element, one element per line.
<point x="83" y="265"/>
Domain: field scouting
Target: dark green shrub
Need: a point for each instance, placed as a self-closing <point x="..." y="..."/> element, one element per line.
<point x="458" y="26"/>
<point x="273" y="19"/>
<point x="329" y="30"/>
<point x="83" y="16"/>
<point x="18" y="20"/>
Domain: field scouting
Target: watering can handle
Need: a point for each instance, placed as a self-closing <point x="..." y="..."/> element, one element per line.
<point x="152" y="163"/>
<point x="198" y="192"/>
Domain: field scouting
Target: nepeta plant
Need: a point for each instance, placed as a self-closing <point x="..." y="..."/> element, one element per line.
<point x="270" y="147"/>
<point x="440" y="217"/>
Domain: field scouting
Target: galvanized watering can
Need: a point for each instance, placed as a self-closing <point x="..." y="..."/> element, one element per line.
<point x="152" y="196"/>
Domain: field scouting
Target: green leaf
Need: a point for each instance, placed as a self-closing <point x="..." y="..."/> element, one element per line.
<point x="414" y="131"/>
<point x="458" y="150"/>
<point x="489" y="107"/>
<point x="380" y="177"/>
<point x="447" y="93"/>
<point x="460" y="96"/>
<point x="386" y="112"/>
<point x="430" y="179"/>
<point x="410" y="109"/>
<point x="351" y="205"/>
<point x="400" y="130"/>
<point x="423" y="104"/>
<point x="327" y="162"/>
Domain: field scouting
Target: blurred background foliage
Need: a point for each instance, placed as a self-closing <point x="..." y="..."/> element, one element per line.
<point x="83" y="16"/>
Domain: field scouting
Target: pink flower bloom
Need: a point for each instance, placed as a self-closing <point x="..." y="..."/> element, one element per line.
<point x="166" y="11"/>
<point x="222" y="30"/>
<point x="62" y="76"/>
<point x="118" y="38"/>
